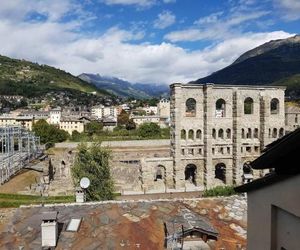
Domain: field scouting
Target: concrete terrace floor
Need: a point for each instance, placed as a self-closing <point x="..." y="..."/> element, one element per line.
<point x="125" y="224"/>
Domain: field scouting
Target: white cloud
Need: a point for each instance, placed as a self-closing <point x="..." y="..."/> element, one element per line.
<point x="117" y="52"/>
<point x="290" y="9"/>
<point x="141" y="3"/>
<point x="164" y="20"/>
<point x="169" y="1"/>
<point x="213" y="27"/>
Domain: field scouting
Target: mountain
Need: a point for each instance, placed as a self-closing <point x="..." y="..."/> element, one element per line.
<point x="273" y="63"/>
<point x="20" y="77"/>
<point x="123" y="88"/>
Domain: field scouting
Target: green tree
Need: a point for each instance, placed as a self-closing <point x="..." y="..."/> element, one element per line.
<point x="49" y="134"/>
<point x="93" y="127"/>
<point x="93" y="162"/>
<point x="123" y="118"/>
<point x="130" y="125"/>
<point x="149" y="130"/>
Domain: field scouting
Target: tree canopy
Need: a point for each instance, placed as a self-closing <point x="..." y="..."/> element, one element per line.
<point x="148" y="130"/>
<point x="93" y="162"/>
<point x="49" y="134"/>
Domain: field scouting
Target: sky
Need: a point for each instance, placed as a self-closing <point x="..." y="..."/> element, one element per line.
<point x="144" y="41"/>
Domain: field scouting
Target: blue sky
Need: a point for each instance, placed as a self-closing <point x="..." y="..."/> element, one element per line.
<point x="147" y="41"/>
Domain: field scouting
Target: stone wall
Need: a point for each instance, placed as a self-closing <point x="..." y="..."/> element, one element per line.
<point x="228" y="127"/>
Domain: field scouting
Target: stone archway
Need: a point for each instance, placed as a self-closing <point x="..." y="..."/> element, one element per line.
<point x="190" y="173"/>
<point x="160" y="173"/>
<point x="220" y="172"/>
<point x="160" y="178"/>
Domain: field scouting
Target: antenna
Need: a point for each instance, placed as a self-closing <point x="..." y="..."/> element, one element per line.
<point x="84" y="182"/>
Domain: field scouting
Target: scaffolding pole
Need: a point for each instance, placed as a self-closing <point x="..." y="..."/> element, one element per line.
<point x="17" y="148"/>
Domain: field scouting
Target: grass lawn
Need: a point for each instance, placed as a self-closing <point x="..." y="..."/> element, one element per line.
<point x="16" y="200"/>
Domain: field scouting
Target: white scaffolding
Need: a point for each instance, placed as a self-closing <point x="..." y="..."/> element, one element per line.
<point x="18" y="147"/>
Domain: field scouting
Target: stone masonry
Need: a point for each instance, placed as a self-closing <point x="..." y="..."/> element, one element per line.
<point x="217" y="129"/>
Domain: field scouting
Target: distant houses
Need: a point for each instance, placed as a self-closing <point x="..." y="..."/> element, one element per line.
<point x="75" y="119"/>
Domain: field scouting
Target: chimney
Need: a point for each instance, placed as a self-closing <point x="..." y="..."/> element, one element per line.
<point x="49" y="228"/>
<point x="80" y="195"/>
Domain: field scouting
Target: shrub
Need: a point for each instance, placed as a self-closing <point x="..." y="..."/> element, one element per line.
<point x="219" y="191"/>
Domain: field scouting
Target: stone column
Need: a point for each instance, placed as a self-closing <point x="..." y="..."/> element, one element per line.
<point x="237" y="109"/>
<point x="207" y="137"/>
<point x="176" y="115"/>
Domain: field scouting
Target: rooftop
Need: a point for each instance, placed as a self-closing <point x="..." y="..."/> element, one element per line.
<point x="112" y="225"/>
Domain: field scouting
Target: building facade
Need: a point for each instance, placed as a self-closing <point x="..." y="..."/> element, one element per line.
<point x="217" y="129"/>
<point x="292" y="118"/>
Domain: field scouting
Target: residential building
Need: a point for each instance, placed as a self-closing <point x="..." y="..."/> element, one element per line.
<point x="164" y="108"/>
<point x="273" y="200"/>
<point x="292" y="117"/>
<point x="71" y="124"/>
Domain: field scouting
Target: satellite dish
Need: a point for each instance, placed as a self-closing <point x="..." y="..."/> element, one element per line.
<point x="85" y="182"/>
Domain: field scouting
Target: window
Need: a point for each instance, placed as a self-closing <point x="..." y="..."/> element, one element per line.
<point x="256" y="133"/>
<point x="213" y="151"/>
<point x="248" y="149"/>
<point x="281" y="132"/>
<point x="274" y="106"/>
<point x="248" y="106"/>
<point x="191" y="151"/>
<point x="183" y="134"/>
<point x="274" y="135"/>
<point x="228" y="133"/>
<point x="228" y="150"/>
<point x="191" y="134"/>
<point x="249" y="133"/>
<point x="221" y="133"/>
<point x="296" y="118"/>
<point x="190" y="107"/>
<point x="221" y="150"/>
<point x="200" y="151"/>
<point x="199" y="134"/>
<point x="220" y="108"/>
<point x="243" y="133"/>
<point x="182" y="151"/>
<point x="214" y="133"/>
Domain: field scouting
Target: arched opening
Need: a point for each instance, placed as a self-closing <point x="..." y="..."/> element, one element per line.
<point x="228" y="133"/>
<point x="221" y="133"/>
<point x="220" y="172"/>
<point x="220" y="108"/>
<point x="247" y="168"/>
<point x="274" y="134"/>
<point x="199" y="134"/>
<point x="248" y="106"/>
<point x="281" y="132"/>
<point x="247" y="173"/>
<point x="243" y="133"/>
<point x="214" y="133"/>
<point x="256" y="133"/>
<point x="183" y="134"/>
<point x="190" y="107"/>
<point x="191" y="134"/>
<point x="274" y="106"/>
<point x="160" y="173"/>
<point x="249" y="133"/>
<point x="269" y="133"/>
<point x="190" y="173"/>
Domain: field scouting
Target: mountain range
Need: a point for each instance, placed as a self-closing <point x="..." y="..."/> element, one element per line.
<point x="21" y="77"/>
<point x="273" y="63"/>
<point x="123" y="88"/>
